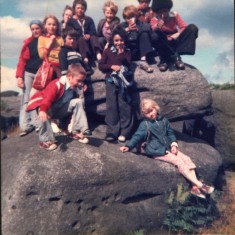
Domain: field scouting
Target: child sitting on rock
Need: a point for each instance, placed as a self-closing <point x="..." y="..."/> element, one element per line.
<point x="60" y="100"/>
<point x="106" y="26"/>
<point x="138" y="37"/>
<point x="161" y="144"/>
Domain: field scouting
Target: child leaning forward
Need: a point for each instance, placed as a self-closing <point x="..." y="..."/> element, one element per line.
<point x="162" y="145"/>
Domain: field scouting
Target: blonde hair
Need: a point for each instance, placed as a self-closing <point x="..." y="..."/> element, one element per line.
<point x="146" y="105"/>
<point x="130" y="11"/>
<point x="113" y="7"/>
<point x="57" y="33"/>
<point x="76" y="69"/>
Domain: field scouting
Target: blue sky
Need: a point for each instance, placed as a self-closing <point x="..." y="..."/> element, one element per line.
<point x="214" y="56"/>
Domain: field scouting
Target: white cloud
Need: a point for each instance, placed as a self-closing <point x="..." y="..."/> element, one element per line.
<point x="8" y="80"/>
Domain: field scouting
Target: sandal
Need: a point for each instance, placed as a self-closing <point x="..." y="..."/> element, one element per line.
<point x="48" y="145"/>
<point x="145" y="66"/>
<point x="79" y="136"/>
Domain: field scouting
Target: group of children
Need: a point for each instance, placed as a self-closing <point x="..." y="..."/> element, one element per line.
<point x="114" y="45"/>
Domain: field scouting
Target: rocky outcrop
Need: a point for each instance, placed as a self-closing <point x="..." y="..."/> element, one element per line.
<point x="181" y="94"/>
<point x="90" y="189"/>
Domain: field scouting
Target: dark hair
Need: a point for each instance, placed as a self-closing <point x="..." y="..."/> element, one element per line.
<point x="161" y="4"/>
<point x="118" y="30"/>
<point x="81" y="2"/>
<point x="67" y="7"/>
<point x="69" y="31"/>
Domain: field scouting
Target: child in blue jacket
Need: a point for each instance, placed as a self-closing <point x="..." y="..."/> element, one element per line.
<point x="161" y="144"/>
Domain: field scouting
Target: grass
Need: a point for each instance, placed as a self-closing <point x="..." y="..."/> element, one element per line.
<point x="225" y="86"/>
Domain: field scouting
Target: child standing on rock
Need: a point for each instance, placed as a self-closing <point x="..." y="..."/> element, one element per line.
<point x="115" y="62"/>
<point x="161" y="144"/>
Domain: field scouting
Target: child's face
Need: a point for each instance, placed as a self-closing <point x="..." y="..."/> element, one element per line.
<point x="51" y="26"/>
<point x="118" y="42"/>
<point x="70" y="41"/>
<point x="151" y="114"/>
<point x="144" y="4"/>
<point x="131" y="20"/>
<point x="109" y="15"/>
<point x="163" y="14"/>
<point x="76" y="81"/>
<point x="79" y="11"/>
<point x="67" y="15"/>
<point x="36" y="30"/>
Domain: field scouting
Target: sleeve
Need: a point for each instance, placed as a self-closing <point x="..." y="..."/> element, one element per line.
<point x="103" y="62"/>
<point x="139" y="136"/>
<point x="91" y="27"/>
<point x="41" y="46"/>
<point x="170" y="133"/>
<point x="24" y="56"/>
<point x="63" y="61"/>
<point x="50" y="95"/>
<point x="180" y="22"/>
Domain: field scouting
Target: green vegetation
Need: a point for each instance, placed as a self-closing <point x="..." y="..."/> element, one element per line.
<point x="139" y="232"/>
<point x="187" y="213"/>
<point x="226" y="86"/>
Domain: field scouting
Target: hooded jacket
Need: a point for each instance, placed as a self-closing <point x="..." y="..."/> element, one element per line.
<point x="158" y="134"/>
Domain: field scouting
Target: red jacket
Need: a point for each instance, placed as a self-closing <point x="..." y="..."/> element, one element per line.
<point x="23" y="58"/>
<point x="45" y="98"/>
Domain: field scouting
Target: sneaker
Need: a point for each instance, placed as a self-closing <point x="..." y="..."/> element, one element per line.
<point x="122" y="138"/>
<point x="48" y="145"/>
<point x="37" y="129"/>
<point x="79" y="136"/>
<point x="207" y="189"/>
<point x="110" y="138"/>
<point x="197" y="192"/>
<point x="26" y="132"/>
<point x="145" y="66"/>
<point x="55" y="127"/>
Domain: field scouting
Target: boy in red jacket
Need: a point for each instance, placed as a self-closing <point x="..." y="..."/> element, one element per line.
<point x="62" y="99"/>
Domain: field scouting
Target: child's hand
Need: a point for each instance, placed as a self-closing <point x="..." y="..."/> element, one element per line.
<point x="20" y="82"/>
<point x="43" y="116"/>
<point x="116" y="68"/>
<point x="52" y="37"/>
<point x="86" y="36"/>
<point x="174" y="150"/>
<point x="124" y="149"/>
<point x="156" y="23"/>
<point x="84" y="87"/>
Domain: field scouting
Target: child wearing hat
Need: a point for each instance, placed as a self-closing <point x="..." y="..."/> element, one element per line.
<point x="172" y="36"/>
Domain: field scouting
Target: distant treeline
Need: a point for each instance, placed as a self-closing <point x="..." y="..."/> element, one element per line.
<point x="226" y="86"/>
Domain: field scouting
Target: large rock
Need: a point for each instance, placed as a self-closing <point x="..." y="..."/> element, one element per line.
<point x="89" y="189"/>
<point x="181" y="94"/>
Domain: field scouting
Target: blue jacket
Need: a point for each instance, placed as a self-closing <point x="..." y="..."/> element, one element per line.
<point x="158" y="136"/>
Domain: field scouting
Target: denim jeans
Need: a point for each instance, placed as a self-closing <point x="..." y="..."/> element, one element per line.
<point x="78" y="120"/>
<point x="27" y="120"/>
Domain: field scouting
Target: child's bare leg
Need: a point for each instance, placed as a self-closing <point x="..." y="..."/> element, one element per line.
<point x="191" y="176"/>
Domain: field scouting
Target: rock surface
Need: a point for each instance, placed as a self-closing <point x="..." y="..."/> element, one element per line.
<point x="181" y="94"/>
<point x="89" y="189"/>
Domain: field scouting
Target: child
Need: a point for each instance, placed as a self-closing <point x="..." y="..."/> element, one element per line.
<point x="50" y="43"/>
<point x="119" y="116"/>
<point x="68" y="53"/>
<point x="67" y="14"/>
<point x="85" y="26"/>
<point x="171" y="34"/>
<point x="161" y="144"/>
<point x="106" y="26"/>
<point x="29" y="63"/>
<point x="138" y="37"/>
<point x="60" y="100"/>
<point x="145" y="11"/>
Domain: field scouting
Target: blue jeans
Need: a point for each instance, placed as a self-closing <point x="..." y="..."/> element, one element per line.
<point x="27" y="120"/>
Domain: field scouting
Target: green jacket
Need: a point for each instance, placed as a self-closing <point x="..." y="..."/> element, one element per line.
<point x="157" y="134"/>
